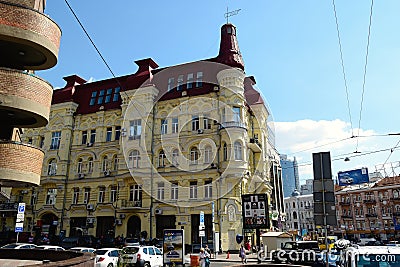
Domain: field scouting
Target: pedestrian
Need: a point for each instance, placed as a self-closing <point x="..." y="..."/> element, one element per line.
<point x="204" y="258"/>
<point x="242" y="254"/>
<point x="207" y="249"/>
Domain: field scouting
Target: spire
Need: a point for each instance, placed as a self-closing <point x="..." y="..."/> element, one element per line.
<point x="229" y="52"/>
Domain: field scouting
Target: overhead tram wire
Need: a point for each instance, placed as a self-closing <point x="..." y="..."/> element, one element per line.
<point x="365" y="68"/>
<point x="342" y="63"/>
<point x="99" y="53"/>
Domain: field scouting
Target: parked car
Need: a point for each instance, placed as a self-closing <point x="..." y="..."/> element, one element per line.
<point x="106" y="242"/>
<point x="141" y="256"/>
<point x="84" y="241"/>
<point x="83" y="249"/>
<point x="50" y="247"/>
<point x="19" y="246"/>
<point x="106" y="257"/>
<point x="131" y="241"/>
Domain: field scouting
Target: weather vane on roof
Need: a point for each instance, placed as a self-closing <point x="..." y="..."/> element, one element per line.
<point x="230" y="14"/>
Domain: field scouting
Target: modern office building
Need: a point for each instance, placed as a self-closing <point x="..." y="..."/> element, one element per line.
<point x="290" y="175"/>
<point x="152" y="150"/>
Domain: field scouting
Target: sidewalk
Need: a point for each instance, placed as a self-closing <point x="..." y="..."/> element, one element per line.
<point x="233" y="257"/>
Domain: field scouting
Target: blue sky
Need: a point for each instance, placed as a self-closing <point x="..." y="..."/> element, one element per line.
<point x="291" y="47"/>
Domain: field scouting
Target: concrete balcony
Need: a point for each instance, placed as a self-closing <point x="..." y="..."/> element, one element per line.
<point x="25" y="99"/>
<point x="20" y="164"/>
<point x="254" y="145"/>
<point x="29" y="39"/>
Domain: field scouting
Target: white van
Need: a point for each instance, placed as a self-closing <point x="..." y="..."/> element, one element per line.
<point x="364" y="241"/>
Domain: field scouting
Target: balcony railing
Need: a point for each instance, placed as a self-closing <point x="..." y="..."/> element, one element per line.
<point x="255" y="145"/>
<point x="371" y="215"/>
<point x="370" y="201"/>
<point x="131" y="204"/>
<point x="347" y="216"/>
<point x="346" y="203"/>
<point x="8" y="206"/>
<point x="233" y="124"/>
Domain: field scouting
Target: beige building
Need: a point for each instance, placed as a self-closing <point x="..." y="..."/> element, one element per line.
<point x="151" y="150"/>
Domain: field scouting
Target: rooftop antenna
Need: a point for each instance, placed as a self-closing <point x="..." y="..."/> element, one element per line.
<point x="230" y="14"/>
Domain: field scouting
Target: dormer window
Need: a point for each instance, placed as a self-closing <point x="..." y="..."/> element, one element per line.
<point x="171" y="82"/>
<point x="93" y="99"/>
<point x="229" y="30"/>
<point x="180" y="83"/>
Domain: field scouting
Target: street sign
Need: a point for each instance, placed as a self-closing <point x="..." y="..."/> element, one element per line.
<point x="21" y="207"/>
<point x="202" y="218"/>
<point x="19" y="227"/>
<point x="20" y="216"/>
<point x="202" y="233"/>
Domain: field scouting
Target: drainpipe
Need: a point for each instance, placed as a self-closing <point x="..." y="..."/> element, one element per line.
<point x="71" y="139"/>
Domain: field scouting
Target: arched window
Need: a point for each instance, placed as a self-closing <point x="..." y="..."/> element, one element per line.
<point x="105" y="164"/>
<point x="225" y="151"/>
<point x="207" y="154"/>
<point x="294" y="215"/>
<point x="52" y="169"/>
<point x="175" y="155"/>
<point x="79" y="166"/>
<point x="90" y="165"/>
<point x="238" y="150"/>
<point x="161" y="159"/>
<point x="134" y="158"/>
<point x="194" y="155"/>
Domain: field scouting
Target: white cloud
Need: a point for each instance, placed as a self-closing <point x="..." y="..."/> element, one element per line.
<point x="304" y="137"/>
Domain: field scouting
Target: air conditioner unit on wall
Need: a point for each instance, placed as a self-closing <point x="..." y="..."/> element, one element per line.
<point x="90" y="220"/>
<point x="89" y="144"/>
<point x="158" y="211"/>
<point x="107" y="173"/>
<point x="90" y="207"/>
<point x="199" y="131"/>
<point x="216" y="88"/>
<point x="118" y="221"/>
<point x="81" y="175"/>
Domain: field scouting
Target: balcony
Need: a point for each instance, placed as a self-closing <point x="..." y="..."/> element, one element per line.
<point x="25" y="98"/>
<point x="370" y="215"/>
<point x="20" y="164"/>
<point x="347" y="216"/>
<point x="29" y="38"/>
<point x="254" y="145"/>
<point x="9" y="207"/>
<point x="131" y="204"/>
<point x="369" y="201"/>
<point x="232" y="124"/>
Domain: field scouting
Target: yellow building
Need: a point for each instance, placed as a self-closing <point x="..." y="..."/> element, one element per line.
<point x="151" y="150"/>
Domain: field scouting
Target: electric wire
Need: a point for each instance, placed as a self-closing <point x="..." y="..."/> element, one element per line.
<point x="343" y="69"/>
<point x="365" y="68"/>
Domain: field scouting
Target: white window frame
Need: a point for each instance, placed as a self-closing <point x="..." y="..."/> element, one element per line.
<point x="135" y="129"/>
<point x="199" y="79"/>
<point x="161" y="159"/>
<point x="102" y="192"/>
<point x="104" y="164"/>
<point x="109" y="134"/>
<point x="55" y="140"/>
<point x="75" y="196"/>
<point x="113" y="193"/>
<point x="238" y="150"/>
<point x="208" y="189"/>
<point x="193" y="190"/>
<point x="51" y="196"/>
<point x="207" y="154"/>
<point x="90" y="165"/>
<point x="179" y="85"/>
<point x="160" y="190"/>
<point x="86" y="196"/>
<point x="134" y="158"/>
<point x="195" y="122"/>
<point x="175" y="125"/>
<point x="175" y="155"/>
<point x="164" y="126"/>
<point x="189" y="81"/>
<point x="194" y="155"/>
<point x="171" y="83"/>
<point x="174" y="191"/>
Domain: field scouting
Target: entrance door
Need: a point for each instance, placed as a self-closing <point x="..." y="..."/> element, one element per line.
<point x="232" y="239"/>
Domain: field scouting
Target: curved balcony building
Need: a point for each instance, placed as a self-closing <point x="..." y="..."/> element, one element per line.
<point x="29" y="41"/>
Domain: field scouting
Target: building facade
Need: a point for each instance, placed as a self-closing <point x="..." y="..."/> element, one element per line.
<point x="290" y="175"/>
<point x="370" y="209"/>
<point x="137" y="154"/>
<point x="300" y="214"/>
<point x="307" y="188"/>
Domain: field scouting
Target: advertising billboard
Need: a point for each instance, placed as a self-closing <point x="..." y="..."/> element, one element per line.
<point x="173" y="247"/>
<point x="255" y="211"/>
<point x="357" y="176"/>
